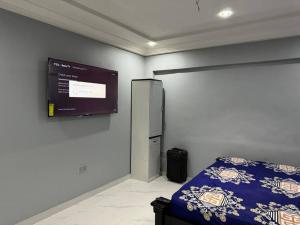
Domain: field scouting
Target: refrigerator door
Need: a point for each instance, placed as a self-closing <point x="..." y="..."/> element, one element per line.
<point x="155" y="110"/>
<point x="154" y="158"/>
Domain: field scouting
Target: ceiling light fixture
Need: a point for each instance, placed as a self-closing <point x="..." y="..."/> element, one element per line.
<point x="225" y="13"/>
<point x="152" y="43"/>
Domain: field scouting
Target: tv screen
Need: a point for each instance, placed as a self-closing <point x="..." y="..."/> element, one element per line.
<point x="77" y="90"/>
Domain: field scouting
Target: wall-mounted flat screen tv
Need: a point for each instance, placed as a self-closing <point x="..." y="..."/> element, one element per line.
<point x="78" y="90"/>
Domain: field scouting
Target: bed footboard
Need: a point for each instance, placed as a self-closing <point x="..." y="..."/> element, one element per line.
<point x="162" y="215"/>
<point x="160" y="207"/>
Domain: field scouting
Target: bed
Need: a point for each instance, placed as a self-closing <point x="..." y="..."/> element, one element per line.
<point x="235" y="191"/>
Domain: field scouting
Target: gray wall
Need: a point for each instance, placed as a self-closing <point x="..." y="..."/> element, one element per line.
<point x="40" y="157"/>
<point x="248" y="112"/>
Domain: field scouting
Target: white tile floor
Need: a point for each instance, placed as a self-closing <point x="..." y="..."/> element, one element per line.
<point x="125" y="204"/>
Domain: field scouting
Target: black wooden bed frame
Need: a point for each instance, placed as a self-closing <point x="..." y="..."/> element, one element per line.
<point x="163" y="216"/>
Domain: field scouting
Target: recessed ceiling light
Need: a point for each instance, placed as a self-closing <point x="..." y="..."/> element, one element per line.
<point x="225" y="13"/>
<point x="152" y="43"/>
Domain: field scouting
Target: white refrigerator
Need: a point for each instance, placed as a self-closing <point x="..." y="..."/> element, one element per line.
<point x="146" y="128"/>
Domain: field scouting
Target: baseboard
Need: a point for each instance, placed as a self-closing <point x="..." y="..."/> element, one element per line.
<point x="153" y="178"/>
<point x="68" y="204"/>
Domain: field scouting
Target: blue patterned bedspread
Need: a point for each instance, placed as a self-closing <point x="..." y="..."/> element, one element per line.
<point x="237" y="191"/>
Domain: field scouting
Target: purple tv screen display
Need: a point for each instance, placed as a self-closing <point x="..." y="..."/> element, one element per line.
<point x="75" y="89"/>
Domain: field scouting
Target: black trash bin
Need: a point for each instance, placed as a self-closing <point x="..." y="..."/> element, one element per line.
<point x="177" y="165"/>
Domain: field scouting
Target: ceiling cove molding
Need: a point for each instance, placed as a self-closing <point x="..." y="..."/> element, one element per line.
<point x="36" y="11"/>
<point x="78" y="18"/>
<point x="267" y="30"/>
<point x="102" y="16"/>
<point x="91" y="18"/>
<point x="226" y="27"/>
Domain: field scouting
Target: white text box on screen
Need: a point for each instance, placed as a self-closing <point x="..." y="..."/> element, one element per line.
<point x="79" y="89"/>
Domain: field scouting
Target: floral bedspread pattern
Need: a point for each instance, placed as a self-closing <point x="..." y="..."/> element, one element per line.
<point x="288" y="187"/>
<point x="212" y="200"/>
<point x="277" y="214"/>
<point x="289" y="170"/>
<point x="229" y="175"/>
<point x="238" y="161"/>
<point x="241" y="192"/>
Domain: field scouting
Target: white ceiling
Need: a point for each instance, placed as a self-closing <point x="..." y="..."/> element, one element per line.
<point x="175" y="25"/>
